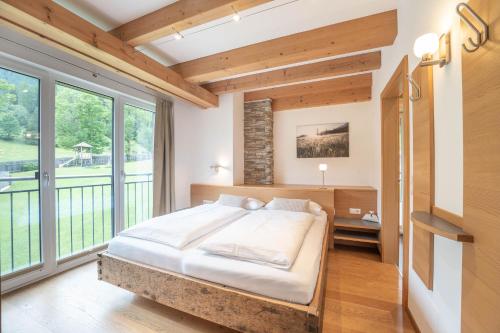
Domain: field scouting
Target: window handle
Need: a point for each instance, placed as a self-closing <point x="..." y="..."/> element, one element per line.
<point x="46" y="178"/>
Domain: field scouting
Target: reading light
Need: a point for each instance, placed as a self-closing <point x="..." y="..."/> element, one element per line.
<point x="236" y="17"/>
<point x="216" y="167"/>
<point x="426" y="46"/>
<point x="323" y="167"/>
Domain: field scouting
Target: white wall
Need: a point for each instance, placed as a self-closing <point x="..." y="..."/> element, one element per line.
<point x="203" y="138"/>
<point x="437" y="310"/>
<point x="358" y="169"/>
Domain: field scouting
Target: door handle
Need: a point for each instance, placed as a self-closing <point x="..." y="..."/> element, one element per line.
<point x="46" y="178"/>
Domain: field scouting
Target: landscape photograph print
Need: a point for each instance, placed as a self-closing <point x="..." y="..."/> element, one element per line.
<point x="323" y="140"/>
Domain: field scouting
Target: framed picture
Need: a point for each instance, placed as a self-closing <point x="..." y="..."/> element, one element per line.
<point x="324" y="140"/>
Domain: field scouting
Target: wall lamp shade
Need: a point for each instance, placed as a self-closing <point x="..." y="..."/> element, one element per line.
<point x="427" y="45"/>
<point x="216" y="167"/>
<point x="323" y="167"/>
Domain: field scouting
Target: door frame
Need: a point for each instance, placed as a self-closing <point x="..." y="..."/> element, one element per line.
<point x="397" y="90"/>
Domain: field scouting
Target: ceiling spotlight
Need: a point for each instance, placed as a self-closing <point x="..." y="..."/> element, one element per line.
<point x="236" y="17"/>
<point x="178" y="36"/>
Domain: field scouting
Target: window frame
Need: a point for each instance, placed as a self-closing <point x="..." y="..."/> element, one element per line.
<point x="79" y="78"/>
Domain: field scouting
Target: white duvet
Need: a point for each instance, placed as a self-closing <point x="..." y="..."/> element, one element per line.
<point x="270" y="237"/>
<point x="182" y="227"/>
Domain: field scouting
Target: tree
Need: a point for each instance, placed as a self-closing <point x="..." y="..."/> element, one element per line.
<point x="7" y="97"/>
<point x="138" y="130"/>
<point x="82" y="116"/>
<point x="9" y="126"/>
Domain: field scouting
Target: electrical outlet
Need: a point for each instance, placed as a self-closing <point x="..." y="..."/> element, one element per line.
<point x="355" y="211"/>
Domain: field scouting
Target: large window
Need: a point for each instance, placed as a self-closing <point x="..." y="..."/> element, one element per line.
<point x="76" y="162"/>
<point x="20" y="245"/>
<point x="138" y="155"/>
<point x="83" y="169"/>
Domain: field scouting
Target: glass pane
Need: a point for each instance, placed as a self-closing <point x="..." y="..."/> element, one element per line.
<point x="84" y="173"/>
<point x="20" y="244"/>
<point x="139" y="128"/>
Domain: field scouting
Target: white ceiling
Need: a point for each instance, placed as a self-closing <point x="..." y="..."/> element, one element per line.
<point x="272" y="20"/>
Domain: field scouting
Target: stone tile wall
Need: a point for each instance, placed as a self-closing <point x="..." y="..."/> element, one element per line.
<point x="258" y="132"/>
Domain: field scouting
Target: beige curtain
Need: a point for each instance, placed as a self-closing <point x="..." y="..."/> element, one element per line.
<point x="163" y="159"/>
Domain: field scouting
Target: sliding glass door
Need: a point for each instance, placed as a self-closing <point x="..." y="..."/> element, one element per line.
<point x="83" y="169"/>
<point x="76" y="162"/>
<point x="138" y="163"/>
<point x="20" y="222"/>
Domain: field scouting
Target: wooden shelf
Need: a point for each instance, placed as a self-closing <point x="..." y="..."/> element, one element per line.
<point x="441" y="227"/>
<point x="355" y="224"/>
<point x="356" y="237"/>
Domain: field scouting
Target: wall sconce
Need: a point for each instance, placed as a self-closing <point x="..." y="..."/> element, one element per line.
<point x="426" y="45"/>
<point x="323" y="167"/>
<point x="216" y="167"/>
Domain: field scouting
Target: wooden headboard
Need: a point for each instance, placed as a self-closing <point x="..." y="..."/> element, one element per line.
<point x="324" y="197"/>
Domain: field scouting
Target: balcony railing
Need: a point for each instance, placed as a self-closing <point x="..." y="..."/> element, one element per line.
<point x="84" y="216"/>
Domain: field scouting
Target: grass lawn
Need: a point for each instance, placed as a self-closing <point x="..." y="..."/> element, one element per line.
<point x="20" y="151"/>
<point x="83" y="212"/>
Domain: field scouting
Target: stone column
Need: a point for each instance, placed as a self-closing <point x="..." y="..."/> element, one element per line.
<point x="258" y="132"/>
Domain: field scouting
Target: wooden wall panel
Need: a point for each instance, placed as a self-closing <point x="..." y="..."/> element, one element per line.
<point x="365" y="199"/>
<point x="324" y="197"/>
<point x="481" y="97"/>
<point x="390" y="180"/>
<point x="423" y="173"/>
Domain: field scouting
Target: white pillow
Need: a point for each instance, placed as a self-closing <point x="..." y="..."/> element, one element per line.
<point x="231" y="200"/>
<point x="253" y="204"/>
<point x="294" y="205"/>
<point x="315" y="208"/>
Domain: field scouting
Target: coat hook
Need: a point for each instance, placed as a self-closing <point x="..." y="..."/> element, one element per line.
<point x="417" y="89"/>
<point x="481" y="35"/>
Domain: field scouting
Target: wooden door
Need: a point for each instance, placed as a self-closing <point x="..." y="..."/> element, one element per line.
<point x="481" y="117"/>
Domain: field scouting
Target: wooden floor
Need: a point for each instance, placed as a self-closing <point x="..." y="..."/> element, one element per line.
<point x="363" y="295"/>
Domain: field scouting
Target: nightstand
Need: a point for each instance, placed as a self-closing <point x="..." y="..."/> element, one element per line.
<point x="355" y="232"/>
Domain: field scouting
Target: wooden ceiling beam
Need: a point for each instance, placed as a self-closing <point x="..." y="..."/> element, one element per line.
<point x="57" y="26"/>
<point x="322" y="99"/>
<point x="179" y="16"/>
<point x="346" y="37"/>
<point x="316" y="87"/>
<point x="318" y="70"/>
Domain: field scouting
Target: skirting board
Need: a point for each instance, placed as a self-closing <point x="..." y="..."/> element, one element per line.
<point x="413" y="322"/>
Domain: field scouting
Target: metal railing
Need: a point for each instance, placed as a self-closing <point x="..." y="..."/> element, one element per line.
<point x="84" y="216"/>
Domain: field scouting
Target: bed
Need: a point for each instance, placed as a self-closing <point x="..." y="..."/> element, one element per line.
<point x="241" y="295"/>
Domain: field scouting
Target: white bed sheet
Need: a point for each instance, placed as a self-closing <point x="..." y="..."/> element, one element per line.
<point x="151" y="253"/>
<point x="296" y="285"/>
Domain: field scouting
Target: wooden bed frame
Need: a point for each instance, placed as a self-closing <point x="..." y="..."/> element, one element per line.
<point x="234" y="308"/>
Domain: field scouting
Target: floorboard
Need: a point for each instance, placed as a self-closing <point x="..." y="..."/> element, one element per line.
<point x="363" y="295"/>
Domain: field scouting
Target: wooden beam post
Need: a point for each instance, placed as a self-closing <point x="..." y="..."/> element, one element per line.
<point x="350" y="36"/>
<point x="179" y="16"/>
<point x="316" y="87"/>
<point x="55" y="25"/>
<point x="323" y="69"/>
